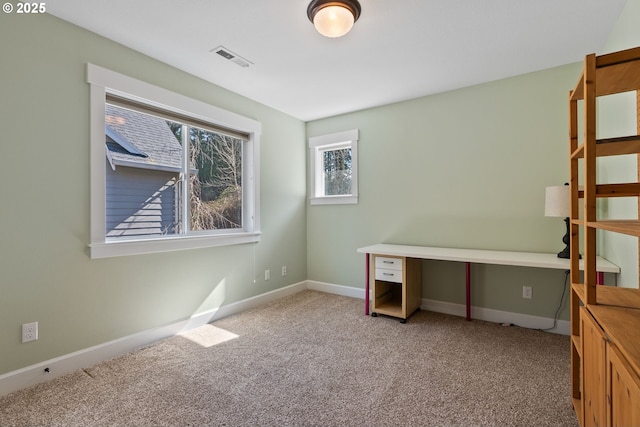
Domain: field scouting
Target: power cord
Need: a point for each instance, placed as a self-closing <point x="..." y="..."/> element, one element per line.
<point x="564" y="291"/>
<point x="555" y="316"/>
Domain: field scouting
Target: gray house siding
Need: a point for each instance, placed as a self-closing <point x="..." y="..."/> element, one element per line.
<point x="140" y="202"/>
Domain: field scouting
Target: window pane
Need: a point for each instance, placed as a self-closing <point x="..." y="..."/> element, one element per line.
<point x="337" y="172"/>
<point x="215" y="184"/>
<point x="142" y="174"/>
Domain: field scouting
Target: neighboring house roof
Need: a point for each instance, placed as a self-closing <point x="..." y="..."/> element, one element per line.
<point x="139" y="140"/>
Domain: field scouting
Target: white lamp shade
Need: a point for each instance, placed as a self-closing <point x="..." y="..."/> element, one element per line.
<point x="556" y="201"/>
<point x="333" y="21"/>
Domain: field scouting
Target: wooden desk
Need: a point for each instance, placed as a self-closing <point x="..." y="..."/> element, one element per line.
<point x="477" y="256"/>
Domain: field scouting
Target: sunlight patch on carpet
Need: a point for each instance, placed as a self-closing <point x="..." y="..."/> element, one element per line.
<point x="209" y="335"/>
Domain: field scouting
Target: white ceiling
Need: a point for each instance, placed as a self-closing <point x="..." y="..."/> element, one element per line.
<point x="398" y="49"/>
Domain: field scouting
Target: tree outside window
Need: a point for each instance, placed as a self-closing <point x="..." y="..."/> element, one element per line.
<point x="148" y="177"/>
<point x="179" y="173"/>
<point x="337" y="172"/>
<point x="334" y="168"/>
<point x="215" y="191"/>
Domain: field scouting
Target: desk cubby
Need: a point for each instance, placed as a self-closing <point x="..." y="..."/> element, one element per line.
<point x="396" y="286"/>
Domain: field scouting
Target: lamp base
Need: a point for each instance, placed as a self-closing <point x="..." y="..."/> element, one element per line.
<point x="565" y="253"/>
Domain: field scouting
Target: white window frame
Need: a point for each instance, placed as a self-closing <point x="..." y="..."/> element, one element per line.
<point x="103" y="81"/>
<point x="317" y="146"/>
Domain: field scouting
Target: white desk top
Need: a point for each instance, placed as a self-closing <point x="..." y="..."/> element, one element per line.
<point x="479" y="256"/>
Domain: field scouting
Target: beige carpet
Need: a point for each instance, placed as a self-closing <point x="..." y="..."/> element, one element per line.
<point x="314" y="359"/>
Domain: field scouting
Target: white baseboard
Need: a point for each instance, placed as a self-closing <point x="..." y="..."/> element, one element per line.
<point x="330" y="288"/>
<point x="240" y="306"/>
<point x="34" y="374"/>
<point x="479" y="313"/>
<point x="498" y="316"/>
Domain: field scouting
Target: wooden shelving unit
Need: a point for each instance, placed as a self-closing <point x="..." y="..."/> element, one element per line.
<point x="605" y="320"/>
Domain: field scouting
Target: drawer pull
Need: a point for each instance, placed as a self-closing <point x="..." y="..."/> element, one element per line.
<point x="389" y="275"/>
<point x="389" y="263"/>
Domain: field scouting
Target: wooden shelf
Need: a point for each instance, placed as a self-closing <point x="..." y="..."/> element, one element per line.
<point x="618" y="297"/>
<point x="614" y="190"/>
<point x="393" y="309"/>
<point x="618" y="190"/>
<point x="611" y="295"/>
<point x="625" y="226"/>
<point x="618" y="146"/>
<point x="615" y="73"/>
<point x="577" y="343"/>
<point x="578" y="288"/>
<point x="601" y="316"/>
<point x="612" y="147"/>
<point x="618" y="77"/>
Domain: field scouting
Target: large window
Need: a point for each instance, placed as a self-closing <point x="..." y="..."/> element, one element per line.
<point x="334" y="168"/>
<point x="168" y="172"/>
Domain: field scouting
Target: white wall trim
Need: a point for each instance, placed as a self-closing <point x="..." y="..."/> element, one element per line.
<point x="321" y="144"/>
<point x="478" y="313"/>
<point x="103" y="82"/>
<point x="34" y="374"/>
<point x="497" y="316"/>
<point x="347" y="291"/>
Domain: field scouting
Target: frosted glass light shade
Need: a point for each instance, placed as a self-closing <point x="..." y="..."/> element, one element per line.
<point x="556" y="201"/>
<point x="333" y="21"/>
<point x="333" y="18"/>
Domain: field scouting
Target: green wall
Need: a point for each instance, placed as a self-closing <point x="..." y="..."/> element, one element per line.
<point x="464" y="169"/>
<point x="468" y="169"/>
<point x="46" y="274"/>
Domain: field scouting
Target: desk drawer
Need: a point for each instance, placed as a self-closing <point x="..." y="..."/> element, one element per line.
<point x="389" y="275"/>
<point x="389" y="263"/>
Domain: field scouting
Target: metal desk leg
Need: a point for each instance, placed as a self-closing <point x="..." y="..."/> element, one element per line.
<point x="366" y="285"/>
<point x="468" y="265"/>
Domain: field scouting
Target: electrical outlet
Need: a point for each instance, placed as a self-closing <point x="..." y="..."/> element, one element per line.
<point x="267" y="274"/>
<point x="29" y="332"/>
<point x="527" y="292"/>
<point x="284" y="270"/>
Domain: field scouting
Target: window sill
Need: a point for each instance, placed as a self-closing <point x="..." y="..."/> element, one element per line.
<point x="116" y="248"/>
<point x="334" y="200"/>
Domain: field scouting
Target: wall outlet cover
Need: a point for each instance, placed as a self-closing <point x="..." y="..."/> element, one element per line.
<point x="29" y="332"/>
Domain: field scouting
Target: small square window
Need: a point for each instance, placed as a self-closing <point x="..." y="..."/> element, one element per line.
<point x="334" y="168"/>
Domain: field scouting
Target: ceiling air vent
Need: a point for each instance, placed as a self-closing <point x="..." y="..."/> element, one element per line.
<point x="227" y="54"/>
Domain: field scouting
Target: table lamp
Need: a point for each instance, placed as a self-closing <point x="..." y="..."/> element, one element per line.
<point x="556" y="204"/>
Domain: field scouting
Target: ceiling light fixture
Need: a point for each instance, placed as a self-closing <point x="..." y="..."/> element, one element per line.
<point x="333" y="18"/>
